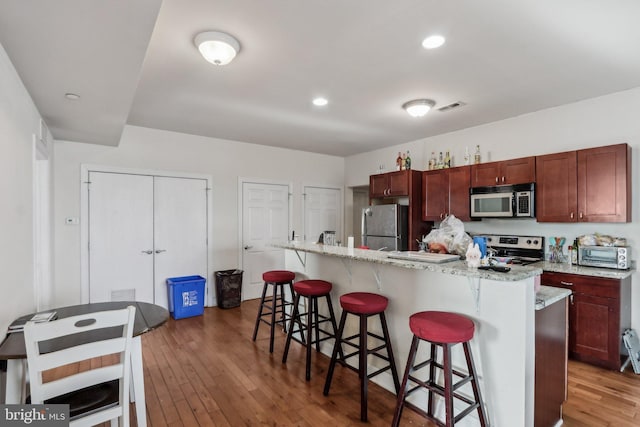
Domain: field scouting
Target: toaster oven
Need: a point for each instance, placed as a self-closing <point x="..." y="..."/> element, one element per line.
<point x="605" y="256"/>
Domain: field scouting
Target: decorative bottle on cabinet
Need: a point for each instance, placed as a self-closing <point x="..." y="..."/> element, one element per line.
<point x="476" y="156"/>
<point x="408" y="161"/>
<point x="432" y="161"/>
<point x="399" y="162"/>
<point x="467" y="157"/>
<point x="447" y="160"/>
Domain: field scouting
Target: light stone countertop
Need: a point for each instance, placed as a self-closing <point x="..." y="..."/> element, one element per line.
<point x="548" y="295"/>
<point x="458" y="268"/>
<point x="585" y="271"/>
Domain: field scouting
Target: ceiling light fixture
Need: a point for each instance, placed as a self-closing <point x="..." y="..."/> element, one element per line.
<point x="72" y="96"/>
<point x="216" y="47"/>
<point x="433" y="42"/>
<point x="320" y="102"/>
<point x="418" y="107"/>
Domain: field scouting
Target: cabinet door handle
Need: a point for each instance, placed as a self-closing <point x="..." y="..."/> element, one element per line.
<point x="562" y="282"/>
<point x="571" y="215"/>
<point x="580" y="215"/>
<point x="496" y="179"/>
<point x="571" y="299"/>
<point x="503" y="179"/>
<point x="441" y="215"/>
<point x="159" y="251"/>
<point x="149" y="252"/>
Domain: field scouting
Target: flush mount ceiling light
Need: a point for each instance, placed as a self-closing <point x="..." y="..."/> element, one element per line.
<point x="418" y="107"/>
<point x="72" y="96"/>
<point x="320" y="102"/>
<point x="433" y="42"/>
<point x="216" y="47"/>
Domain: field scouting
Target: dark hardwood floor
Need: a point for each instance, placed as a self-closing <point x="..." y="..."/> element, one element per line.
<point x="206" y="371"/>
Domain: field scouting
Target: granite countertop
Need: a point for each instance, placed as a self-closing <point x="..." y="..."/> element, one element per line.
<point x="548" y="295"/>
<point x="585" y="271"/>
<point x="458" y="268"/>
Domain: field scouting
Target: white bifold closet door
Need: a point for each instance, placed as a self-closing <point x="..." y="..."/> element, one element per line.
<point x="322" y="212"/>
<point x="142" y="230"/>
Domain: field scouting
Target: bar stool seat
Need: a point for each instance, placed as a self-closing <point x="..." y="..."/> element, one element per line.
<point x="363" y="305"/>
<point x="312" y="290"/>
<point x="440" y="326"/>
<point x="441" y="329"/>
<point x="276" y="304"/>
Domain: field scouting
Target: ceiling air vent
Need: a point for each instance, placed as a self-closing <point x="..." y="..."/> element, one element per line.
<point x="451" y="106"/>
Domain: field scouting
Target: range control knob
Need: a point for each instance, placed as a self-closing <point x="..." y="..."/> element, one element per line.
<point x="528" y="241"/>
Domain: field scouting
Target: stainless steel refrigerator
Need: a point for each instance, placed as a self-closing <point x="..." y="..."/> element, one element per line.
<point x="385" y="227"/>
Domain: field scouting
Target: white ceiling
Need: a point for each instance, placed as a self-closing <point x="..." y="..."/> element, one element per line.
<point x="134" y="62"/>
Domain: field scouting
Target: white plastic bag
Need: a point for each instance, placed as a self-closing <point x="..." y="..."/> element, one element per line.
<point x="451" y="235"/>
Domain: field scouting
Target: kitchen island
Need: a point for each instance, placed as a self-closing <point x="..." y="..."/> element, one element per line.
<point x="502" y="305"/>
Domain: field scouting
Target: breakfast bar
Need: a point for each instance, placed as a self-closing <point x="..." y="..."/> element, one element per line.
<point x="503" y="306"/>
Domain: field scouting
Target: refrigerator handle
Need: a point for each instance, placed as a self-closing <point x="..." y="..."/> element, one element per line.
<point x="363" y="226"/>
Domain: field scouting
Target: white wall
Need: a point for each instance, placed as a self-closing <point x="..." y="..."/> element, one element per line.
<point x="151" y="149"/>
<point x="605" y="120"/>
<point x="19" y="121"/>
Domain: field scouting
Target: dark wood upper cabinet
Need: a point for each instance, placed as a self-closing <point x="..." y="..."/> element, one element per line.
<point x="591" y="185"/>
<point x="604" y="184"/>
<point x="446" y="192"/>
<point x="514" y="171"/>
<point x="403" y="187"/>
<point x="556" y="187"/>
<point x="391" y="184"/>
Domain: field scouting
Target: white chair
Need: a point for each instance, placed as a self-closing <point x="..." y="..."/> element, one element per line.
<point x="50" y="345"/>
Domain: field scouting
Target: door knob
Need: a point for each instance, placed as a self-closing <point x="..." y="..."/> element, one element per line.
<point x="247" y="247"/>
<point x="149" y="252"/>
<point x="159" y="251"/>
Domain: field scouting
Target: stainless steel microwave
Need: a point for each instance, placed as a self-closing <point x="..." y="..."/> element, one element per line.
<point x="503" y="201"/>
<point x="605" y="256"/>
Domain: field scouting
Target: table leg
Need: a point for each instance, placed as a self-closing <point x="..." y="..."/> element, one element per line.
<point x="137" y="381"/>
<point x="16" y="390"/>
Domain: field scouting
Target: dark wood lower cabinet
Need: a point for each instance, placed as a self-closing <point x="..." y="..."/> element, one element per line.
<point x="551" y="363"/>
<point x="599" y="312"/>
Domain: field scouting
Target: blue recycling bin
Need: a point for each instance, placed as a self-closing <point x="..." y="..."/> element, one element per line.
<point x="186" y="296"/>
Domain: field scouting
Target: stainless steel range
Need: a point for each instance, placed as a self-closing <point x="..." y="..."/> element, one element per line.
<point x="521" y="249"/>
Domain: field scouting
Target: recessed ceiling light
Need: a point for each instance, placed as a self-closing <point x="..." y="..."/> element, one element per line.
<point x="320" y="102"/>
<point x="433" y="42"/>
<point x="72" y="96"/>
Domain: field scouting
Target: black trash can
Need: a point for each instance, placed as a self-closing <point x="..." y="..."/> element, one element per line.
<point x="228" y="288"/>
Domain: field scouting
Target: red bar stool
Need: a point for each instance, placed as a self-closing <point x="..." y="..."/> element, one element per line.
<point x="276" y="304"/>
<point x="312" y="290"/>
<point x="363" y="305"/>
<point x="441" y="329"/>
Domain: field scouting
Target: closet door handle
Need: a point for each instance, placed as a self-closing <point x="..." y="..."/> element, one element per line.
<point x="159" y="251"/>
<point x="149" y="252"/>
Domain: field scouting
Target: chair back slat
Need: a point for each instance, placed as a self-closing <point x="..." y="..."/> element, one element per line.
<point x="50" y="345"/>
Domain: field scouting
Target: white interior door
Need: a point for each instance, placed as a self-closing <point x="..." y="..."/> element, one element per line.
<point x="265" y="219"/>
<point x="322" y="211"/>
<point x="121" y="254"/>
<point x="180" y="231"/>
